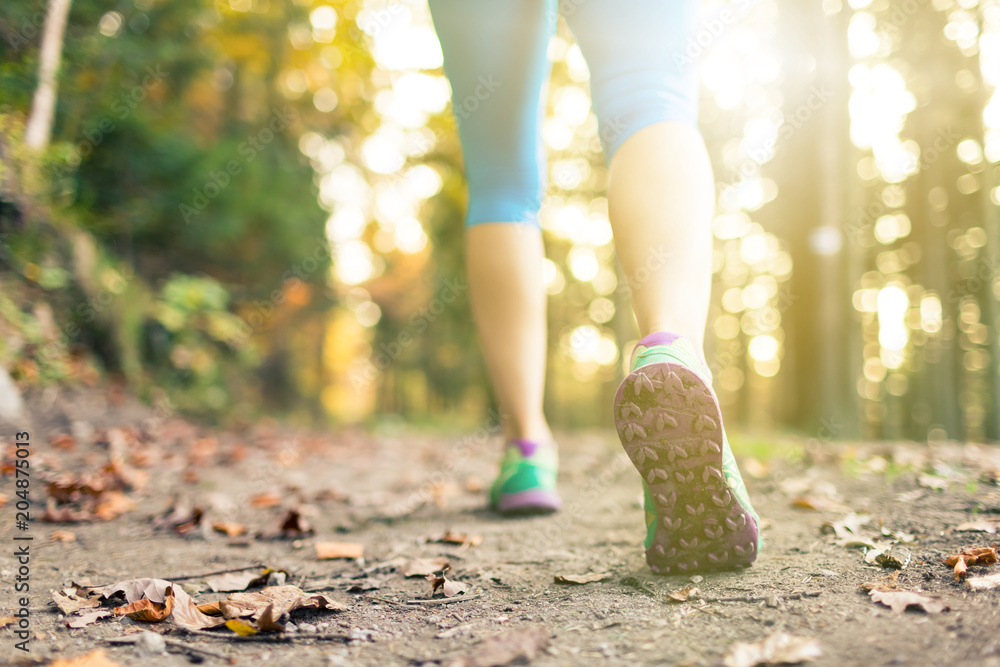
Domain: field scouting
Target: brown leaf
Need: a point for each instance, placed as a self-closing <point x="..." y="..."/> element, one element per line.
<point x="848" y="527"/>
<point x="65" y="514"/>
<point x="284" y="599"/>
<point x="6" y="620"/>
<point x="518" y="645"/>
<point x="267" y="622"/>
<point x="63" y="441"/>
<point x="136" y="589"/>
<point x="146" y="610"/>
<point x="448" y="587"/>
<point x="294" y="526"/>
<point x="899" y="601"/>
<point x="266" y="499"/>
<point x="84" y="620"/>
<point x="230" y="582"/>
<point x="95" y="658"/>
<point x="971" y="556"/>
<point x="982" y="526"/>
<point x="63" y="536"/>
<point x="775" y="649"/>
<point x="437" y="578"/>
<point x="453" y="588"/>
<point x="111" y="504"/>
<point x="186" y="613"/>
<point x="229" y="528"/>
<point x="210" y="608"/>
<point x="818" y="504"/>
<point x="449" y="537"/>
<point x="684" y="594"/>
<point x="582" y="578"/>
<point x="986" y="583"/>
<point x="69" y="604"/>
<point x="329" y="550"/>
<point x="421" y="567"/>
<point x="182" y="517"/>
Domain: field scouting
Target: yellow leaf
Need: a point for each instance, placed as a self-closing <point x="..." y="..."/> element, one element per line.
<point x="241" y="628"/>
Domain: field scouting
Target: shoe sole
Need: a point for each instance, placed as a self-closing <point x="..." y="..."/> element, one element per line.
<point x="670" y="425"/>
<point x="534" y="501"/>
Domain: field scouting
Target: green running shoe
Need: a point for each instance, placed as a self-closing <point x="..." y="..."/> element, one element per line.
<point x="527" y="480"/>
<point x="698" y="511"/>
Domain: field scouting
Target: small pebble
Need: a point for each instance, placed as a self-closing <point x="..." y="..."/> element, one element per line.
<point x="307" y="627"/>
<point x="697" y="579"/>
<point x="150" y="643"/>
<point x="291" y="627"/>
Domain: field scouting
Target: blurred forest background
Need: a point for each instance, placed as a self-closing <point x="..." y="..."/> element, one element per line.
<point x="252" y="206"/>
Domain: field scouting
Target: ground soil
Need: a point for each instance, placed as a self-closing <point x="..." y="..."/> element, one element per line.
<point x="392" y="489"/>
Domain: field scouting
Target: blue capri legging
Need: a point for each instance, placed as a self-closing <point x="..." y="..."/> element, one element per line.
<point x="495" y="56"/>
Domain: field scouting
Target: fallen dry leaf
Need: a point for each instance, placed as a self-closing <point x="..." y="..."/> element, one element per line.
<point x="137" y="589"/>
<point x="453" y="588"/>
<point x="971" y="556"/>
<point x="582" y="578"/>
<point x="3" y="499"/>
<point x="266" y="499"/>
<point x="63" y="441"/>
<point x="84" y="620"/>
<point x="242" y="628"/>
<point x="230" y="582"/>
<point x="684" y="594"/>
<point x="365" y="584"/>
<point x="186" y="613"/>
<point x="210" y="608"/>
<point x="778" y="648"/>
<point x="112" y="504"/>
<point x="229" y="528"/>
<point x="267" y="622"/>
<point x="448" y="587"/>
<point x="62" y="536"/>
<point x="982" y="526"/>
<point x="146" y="610"/>
<point x="985" y="583"/>
<point x="69" y="604"/>
<point x="518" y="645"/>
<point x="330" y="550"/>
<point x="294" y="526"/>
<point x="818" y="504"/>
<point x="848" y="527"/>
<point x="6" y="620"/>
<point x="95" y="658"/>
<point x="284" y="598"/>
<point x="421" y="567"/>
<point x="449" y="537"/>
<point x="55" y="514"/>
<point x="182" y="517"/>
<point x="899" y="601"/>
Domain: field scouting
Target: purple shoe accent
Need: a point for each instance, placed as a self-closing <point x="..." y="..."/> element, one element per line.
<point x="535" y="500"/>
<point x="527" y="447"/>
<point x="670" y="425"/>
<point x="658" y="338"/>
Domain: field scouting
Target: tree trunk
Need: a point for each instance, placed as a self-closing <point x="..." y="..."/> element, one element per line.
<point x="43" y="105"/>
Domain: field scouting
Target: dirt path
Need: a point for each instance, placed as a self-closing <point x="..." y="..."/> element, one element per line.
<point x="390" y="492"/>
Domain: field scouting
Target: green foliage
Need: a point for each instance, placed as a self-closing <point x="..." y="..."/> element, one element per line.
<point x="174" y="176"/>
